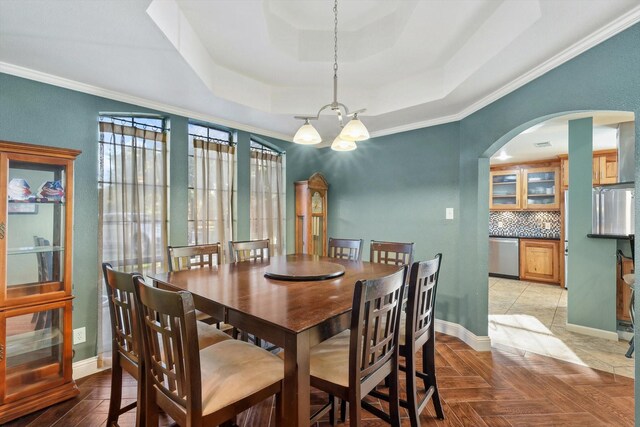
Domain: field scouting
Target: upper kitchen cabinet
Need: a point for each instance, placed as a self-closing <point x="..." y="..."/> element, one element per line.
<point x="505" y="190"/>
<point x="605" y="167"/>
<point x="540" y="189"/>
<point x="604" y="170"/>
<point x="532" y="186"/>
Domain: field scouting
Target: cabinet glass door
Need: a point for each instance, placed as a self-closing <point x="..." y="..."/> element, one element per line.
<point x="33" y="349"/>
<point x="541" y="188"/>
<point x="35" y="229"/>
<point x="505" y="190"/>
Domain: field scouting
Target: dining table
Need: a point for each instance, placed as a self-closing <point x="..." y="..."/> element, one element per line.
<point x="292" y="301"/>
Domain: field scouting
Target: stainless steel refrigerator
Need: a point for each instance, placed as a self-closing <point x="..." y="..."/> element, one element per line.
<point x="613" y="210"/>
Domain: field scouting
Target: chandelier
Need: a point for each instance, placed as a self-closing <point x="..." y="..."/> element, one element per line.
<point x="353" y="131"/>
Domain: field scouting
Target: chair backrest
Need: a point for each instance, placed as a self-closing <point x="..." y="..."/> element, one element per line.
<point x="349" y="249"/>
<point x="395" y="253"/>
<point x="251" y="250"/>
<point x="170" y="339"/>
<point x="125" y="329"/>
<point x="375" y="321"/>
<point x="198" y="256"/>
<point x="421" y="301"/>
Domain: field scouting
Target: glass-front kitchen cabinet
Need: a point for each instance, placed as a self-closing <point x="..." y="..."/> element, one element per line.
<point x="36" y="187"/>
<point x="505" y="190"/>
<point x="541" y="187"/>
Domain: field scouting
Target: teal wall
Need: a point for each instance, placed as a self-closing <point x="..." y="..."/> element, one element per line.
<point x="37" y="113"/>
<point x="592" y="262"/>
<point x="397" y="188"/>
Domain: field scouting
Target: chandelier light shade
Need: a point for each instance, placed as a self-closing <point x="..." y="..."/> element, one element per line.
<point x="340" y="144"/>
<point x="355" y="130"/>
<point x="307" y="135"/>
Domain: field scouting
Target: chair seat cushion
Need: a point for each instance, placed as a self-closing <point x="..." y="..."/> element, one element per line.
<point x="232" y="370"/>
<point x="209" y="335"/>
<point x="329" y="360"/>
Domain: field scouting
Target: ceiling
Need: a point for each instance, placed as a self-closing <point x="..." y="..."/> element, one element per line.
<point x="523" y="147"/>
<point x="254" y="64"/>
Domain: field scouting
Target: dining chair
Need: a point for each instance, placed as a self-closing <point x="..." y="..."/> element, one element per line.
<point x="351" y="364"/>
<point x="348" y="249"/>
<point x="417" y="332"/>
<point x="197" y="256"/>
<point x="199" y="387"/>
<point x="127" y="340"/>
<point x="249" y="250"/>
<point x="396" y="253"/>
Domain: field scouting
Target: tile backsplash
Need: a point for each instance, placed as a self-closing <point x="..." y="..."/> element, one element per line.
<point x="524" y="224"/>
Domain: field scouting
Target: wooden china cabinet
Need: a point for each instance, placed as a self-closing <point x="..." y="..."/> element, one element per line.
<point x="311" y="215"/>
<point x="36" y="185"/>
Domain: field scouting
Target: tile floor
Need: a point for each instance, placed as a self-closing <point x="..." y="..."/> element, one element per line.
<point x="531" y="317"/>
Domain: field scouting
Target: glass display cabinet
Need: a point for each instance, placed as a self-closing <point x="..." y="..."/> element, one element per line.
<point x="36" y="185"/>
<point x="505" y="190"/>
<point x="311" y="215"/>
<point x="541" y="188"/>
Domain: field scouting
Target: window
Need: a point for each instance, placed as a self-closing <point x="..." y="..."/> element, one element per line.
<point x="212" y="168"/>
<point x="267" y="196"/>
<point x="133" y="189"/>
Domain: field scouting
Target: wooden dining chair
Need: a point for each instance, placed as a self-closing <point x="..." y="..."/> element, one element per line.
<point x="396" y="253"/>
<point x="199" y="387"/>
<point x="126" y="339"/>
<point x="351" y="364"/>
<point x="348" y="249"/>
<point x="197" y="256"/>
<point x="417" y="332"/>
<point x="249" y="251"/>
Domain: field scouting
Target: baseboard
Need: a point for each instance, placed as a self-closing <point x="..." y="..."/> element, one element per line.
<point x="478" y="343"/>
<point x="86" y="367"/>
<point x="592" y="332"/>
<point x="624" y="335"/>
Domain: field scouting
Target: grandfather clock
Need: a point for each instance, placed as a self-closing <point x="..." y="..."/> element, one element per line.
<point x="311" y="215"/>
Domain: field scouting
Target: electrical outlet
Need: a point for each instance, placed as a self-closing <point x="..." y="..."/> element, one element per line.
<point x="79" y="335"/>
<point x="547" y="226"/>
<point x="500" y="224"/>
<point x="449" y="213"/>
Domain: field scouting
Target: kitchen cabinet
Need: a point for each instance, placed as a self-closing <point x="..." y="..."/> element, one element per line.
<point x="604" y="168"/>
<point x="540" y="260"/>
<point x="540" y="189"/>
<point x="623" y="291"/>
<point x="525" y="188"/>
<point x="505" y="189"/>
<point x="36" y="188"/>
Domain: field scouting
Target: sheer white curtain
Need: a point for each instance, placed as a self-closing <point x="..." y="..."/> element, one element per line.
<point x="212" y="204"/>
<point x="133" y="194"/>
<point x="267" y="199"/>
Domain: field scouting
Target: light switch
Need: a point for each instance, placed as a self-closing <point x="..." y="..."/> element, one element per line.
<point x="449" y="213"/>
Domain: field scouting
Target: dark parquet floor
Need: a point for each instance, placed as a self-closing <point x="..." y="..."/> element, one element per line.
<point x="494" y="388"/>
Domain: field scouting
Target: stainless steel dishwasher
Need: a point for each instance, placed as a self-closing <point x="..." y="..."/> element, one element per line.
<point x="504" y="257"/>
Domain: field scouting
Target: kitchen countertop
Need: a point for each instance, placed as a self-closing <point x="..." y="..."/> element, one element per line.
<point x="525" y="237"/>
<point x="609" y="236"/>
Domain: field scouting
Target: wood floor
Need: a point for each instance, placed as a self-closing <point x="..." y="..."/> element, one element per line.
<point x="494" y="388"/>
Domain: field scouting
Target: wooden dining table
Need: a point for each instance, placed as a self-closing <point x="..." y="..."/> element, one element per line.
<point x="293" y="314"/>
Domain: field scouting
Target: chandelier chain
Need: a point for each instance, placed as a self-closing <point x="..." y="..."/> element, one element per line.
<point x="335" y="38"/>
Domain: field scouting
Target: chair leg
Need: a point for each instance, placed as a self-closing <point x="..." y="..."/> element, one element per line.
<point x="279" y="409"/>
<point x="394" y="398"/>
<point x="343" y="410"/>
<point x="116" y="392"/>
<point x="629" y="353"/>
<point x="412" y="392"/>
<point x="333" y="413"/>
<point x="151" y="407"/>
<point x="429" y="367"/>
<point x="354" y="414"/>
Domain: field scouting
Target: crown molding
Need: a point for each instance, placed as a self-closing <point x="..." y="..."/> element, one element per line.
<point x="53" y="80"/>
<point x="622" y="23"/>
<point x="625" y="21"/>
